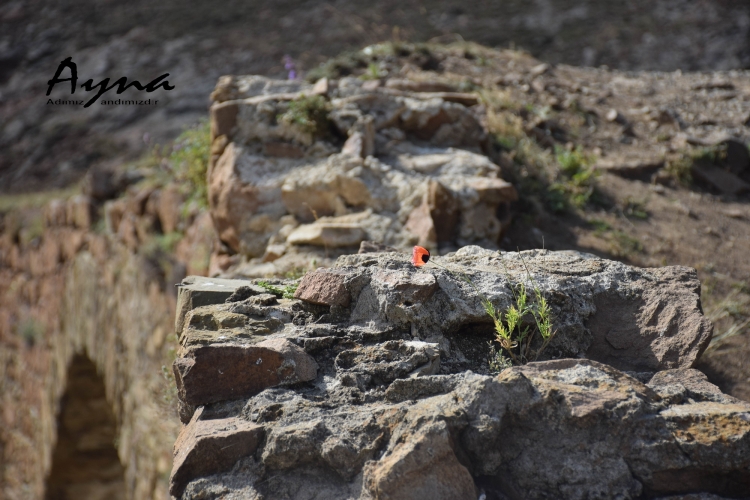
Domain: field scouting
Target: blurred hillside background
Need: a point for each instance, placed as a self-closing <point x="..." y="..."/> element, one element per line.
<point x="44" y="147"/>
<point x="602" y="116"/>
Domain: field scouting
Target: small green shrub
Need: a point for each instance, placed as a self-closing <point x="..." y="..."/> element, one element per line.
<point x="680" y="170"/>
<point x="516" y="328"/>
<point x="309" y="114"/>
<point x="635" y="209"/>
<point x="577" y="182"/>
<point x="286" y="291"/>
<point x="189" y="162"/>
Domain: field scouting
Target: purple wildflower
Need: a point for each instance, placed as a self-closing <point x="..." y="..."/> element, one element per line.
<point x="290" y="67"/>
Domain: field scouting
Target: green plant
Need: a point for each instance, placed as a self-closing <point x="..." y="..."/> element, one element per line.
<point x="308" y="113"/>
<point x="189" y="162"/>
<point x="624" y="245"/>
<point x="31" y="331"/>
<point x="635" y="208"/>
<point x="577" y="181"/>
<point x="513" y="332"/>
<point x="516" y="328"/>
<point x="286" y="291"/>
<point x="600" y="226"/>
<point x="296" y="273"/>
<point x="372" y="73"/>
<point x="680" y="169"/>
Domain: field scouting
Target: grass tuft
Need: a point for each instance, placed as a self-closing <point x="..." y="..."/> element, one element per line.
<point x="309" y="114"/>
<point x="286" y="291"/>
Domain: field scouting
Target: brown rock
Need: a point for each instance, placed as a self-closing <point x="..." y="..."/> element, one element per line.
<point x="206" y="447"/>
<point x="412" y="288"/>
<point x="421" y="466"/>
<point x="169" y="208"/>
<point x="422" y="86"/>
<point x="137" y="200"/>
<point x="55" y="213"/>
<point x="443" y="211"/>
<point x="327" y="234"/>
<point x="127" y="231"/>
<point x="662" y="329"/>
<point x="492" y="190"/>
<point x="208" y="374"/>
<point x="721" y="179"/>
<point x="375" y="247"/>
<point x="80" y="212"/>
<point x="420" y="224"/>
<point x="235" y="203"/>
<point x="197" y="291"/>
<point x="113" y="213"/>
<point x="283" y="150"/>
<point x="324" y="287"/>
<point x="320" y="87"/>
<point x="354" y="145"/>
<point x="223" y="118"/>
<point x="194" y="250"/>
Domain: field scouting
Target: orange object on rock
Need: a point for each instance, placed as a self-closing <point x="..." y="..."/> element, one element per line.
<point x="420" y="256"/>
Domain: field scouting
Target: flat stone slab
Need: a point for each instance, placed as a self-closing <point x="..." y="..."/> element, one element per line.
<point x="196" y="291"/>
<point x="208" y="374"/>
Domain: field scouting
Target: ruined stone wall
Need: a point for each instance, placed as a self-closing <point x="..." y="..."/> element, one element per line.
<point x="73" y="292"/>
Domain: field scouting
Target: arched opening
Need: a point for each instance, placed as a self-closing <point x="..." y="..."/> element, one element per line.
<point x="85" y="462"/>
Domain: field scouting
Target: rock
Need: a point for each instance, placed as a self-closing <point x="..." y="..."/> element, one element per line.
<point x="81" y="212"/>
<point x="328" y="234"/>
<point x="194" y="250"/>
<point x="169" y="208"/>
<point x="738" y="157"/>
<point x="374" y="247"/>
<point x="55" y="213"/>
<point x="421" y="86"/>
<point x="444" y="436"/>
<point x="424" y="466"/>
<point x="113" y="214"/>
<point x="726" y="182"/>
<point x="244" y="193"/>
<point x="381" y="174"/>
<point x="282" y="150"/>
<point x="103" y="183"/>
<point x="232" y="87"/>
<point x="197" y="291"/>
<point x="630" y="166"/>
<point x="206" y="447"/>
<point x="663" y="328"/>
<point x="324" y="287"/>
<point x="325" y="189"/>
<point x="208" y="374"/>
<point x="676" y="386"/>
<point x="320" y="87"/>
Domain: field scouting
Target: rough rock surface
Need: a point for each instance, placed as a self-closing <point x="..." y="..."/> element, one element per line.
<point x="403" y="404"/>
<point x="394" y="166"/>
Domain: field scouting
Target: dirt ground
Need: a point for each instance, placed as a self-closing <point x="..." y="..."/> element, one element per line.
<point x="639" y="129"/>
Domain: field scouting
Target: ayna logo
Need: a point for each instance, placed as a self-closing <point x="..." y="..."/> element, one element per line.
<point x="103" y="86"/>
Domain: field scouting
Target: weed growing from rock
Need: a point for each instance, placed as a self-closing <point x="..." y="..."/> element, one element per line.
<point x="309" y="114"/>
<point x="286" y="291"/>
<point x="514" y="329"/>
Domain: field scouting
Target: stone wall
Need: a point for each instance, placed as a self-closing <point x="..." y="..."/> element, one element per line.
<point x="68" y="293"/>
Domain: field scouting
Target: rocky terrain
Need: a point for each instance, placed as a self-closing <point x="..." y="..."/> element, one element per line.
<point x="402" y="143"/>
<point x="376" y="384"/>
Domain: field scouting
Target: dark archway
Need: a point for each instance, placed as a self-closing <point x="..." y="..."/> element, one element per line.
<point x="85" y="462"/>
